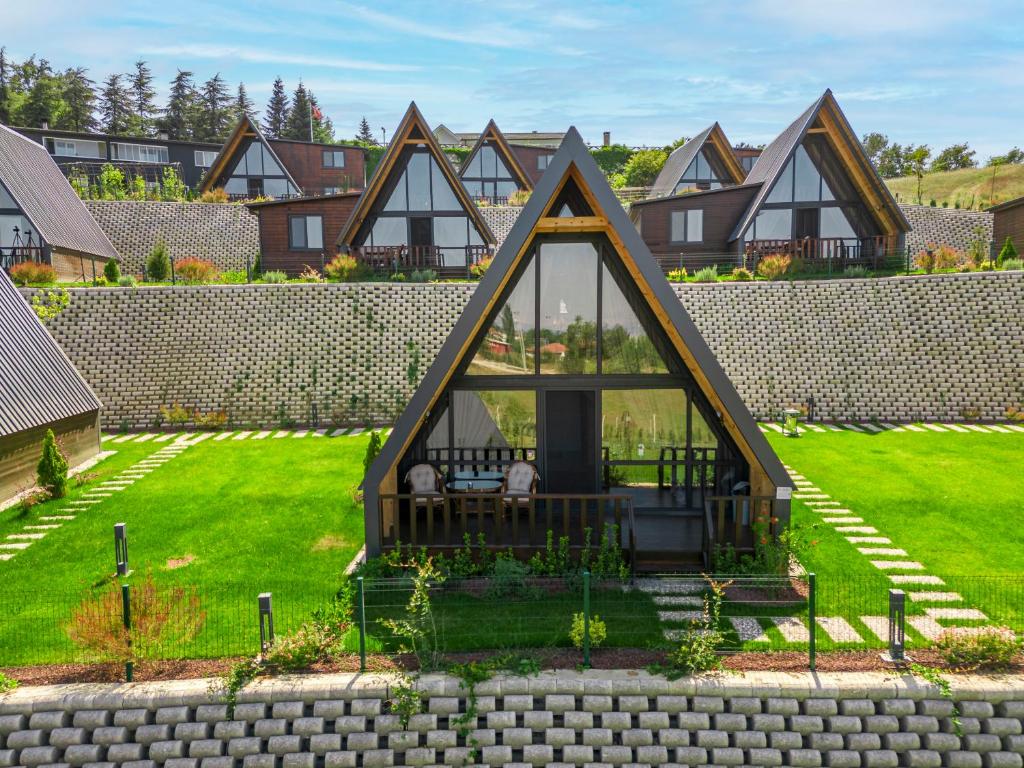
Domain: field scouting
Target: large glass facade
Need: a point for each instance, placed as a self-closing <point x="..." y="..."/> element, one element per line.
<point x="509" y="345"/>
<point x="704" y="172"/>
<point x="568" y="308"/>
<point x="487" y="175"/>
<point x="257" y="173"/>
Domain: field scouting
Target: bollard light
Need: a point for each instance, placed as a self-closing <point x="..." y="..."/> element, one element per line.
<point x="791" y="422"/>
<point x="897" y="625"/>
<point x="266" y="622"/>
<point x="121" y="548"/>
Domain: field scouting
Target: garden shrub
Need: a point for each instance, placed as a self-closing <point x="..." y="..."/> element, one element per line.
<point x="742" y="275"/>
<point x="310" y="643"/>
<point x="938" y="257"/>
<point x="678" y="275"/>
<point x="32" y="273"/>
<point x="706" y="275"/>
<point x="372" y="451"/>
<point x="698" y="644"/>
<point x="643" y="167"/>
<point x="423" y="276"/>
<point x="234" y="277"/>
<point x="164" y="619"/>
<point x="274" y="276"/>
<point x="112" y="272"/>
<point x="520" y="197"/>
<point x="988" y="648"/>
<point x="773" y="267"/>
<point x="111" y="183"/>
<point x="172" y="188"/>
<point x="598" y="631"/>
<point x="419" y="628"/>
<point x="509" y="579"/>
<point x="1013" y="264"/>
<point x="772" y="554"/>
<point x="309" y="275"/>
<point x="158" y="263"/>
<point x="857" y="271"/>
<point x="7" y="683"/>
<point x="479" y="268"/>
<point x="215" y="195"/>
<point x="1008" y="251"/>
<point x="345" y="269"/>
<point x="51" y="303"/>
<point x="192" y="270"/>
<point x="52" y="470"/>
<point x="127" y="281"/>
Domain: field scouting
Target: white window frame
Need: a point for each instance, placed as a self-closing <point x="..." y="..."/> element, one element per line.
<point x="333" y="155"/>
<point x="308" y="221"/>
<point x="690" y="219"/>
<point x="101" y="150"/>
<point x="135" y="153"/>
<point x="199" y="157"/>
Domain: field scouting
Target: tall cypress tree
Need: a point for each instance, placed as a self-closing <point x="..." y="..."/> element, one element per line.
<point x="115" y="106"/>
<point x="215" y="110"/>
<point x="180" y="115"/>
<point x="243" y="104"/>
<point x="365" y="133"/>
<point x="276" y="115"/>
<point x="142" y="93"/>
<point x="79" y="96"/>
<point x="298" y="127"/>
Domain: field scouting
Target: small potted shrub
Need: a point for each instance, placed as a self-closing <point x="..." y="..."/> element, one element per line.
<point x="158" y="264"/>
<point x="479" y="268"/>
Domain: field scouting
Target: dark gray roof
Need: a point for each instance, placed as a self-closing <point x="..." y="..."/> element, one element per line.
<point x="40" y="385"/>
<point x="47" y="199"/>
<point x="572" y="152"/>
<point x="678" y="162"/>
<point x="1007" y="205"/>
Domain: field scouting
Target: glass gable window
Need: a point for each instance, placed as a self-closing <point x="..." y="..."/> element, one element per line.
<point x="487" y="175"/>
<point x="257" y="172"/>
<point x="626" y="346"/>
<point x="334" y="158"/>
<point x="509" y="345"/>
<point x="6" y="201"/>
<point x="568" y="308"/>
<point x="699" y="174"/>
<point x="305" y="233"/>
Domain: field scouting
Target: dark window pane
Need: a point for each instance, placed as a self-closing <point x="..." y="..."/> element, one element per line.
<point x="568" y="308"/>
<point x="782" y="192"/>
<point x="297" y="232"/>
<point x="508" y="346"/>
<point x="626" y="347"/>
<point x="418" y="173"/>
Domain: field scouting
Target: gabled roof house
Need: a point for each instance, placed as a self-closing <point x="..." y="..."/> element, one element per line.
<point x="575" y="396"/>
<point x="492" y="170"/>
<point x="704" y="162"/>
<point x="812" y="195"/>
<point x="415" y="214"/>
<point x="41" y="217"/>
<point x="41" y="390"/>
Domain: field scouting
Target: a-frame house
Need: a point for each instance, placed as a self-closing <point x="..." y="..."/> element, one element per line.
<point x="415" y="213"/>
<point x="705" y="162"/>
<point x="248" y="167"/>
<point x="492" y="171"/>
<point x="575" y="395"/>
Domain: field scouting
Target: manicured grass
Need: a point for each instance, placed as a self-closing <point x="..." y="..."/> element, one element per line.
<point x="953" y="501"/>
<point x="968" y="185"/>
<point x="246" y="516"/>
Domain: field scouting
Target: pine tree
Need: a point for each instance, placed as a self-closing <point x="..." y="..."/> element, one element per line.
<point x="215" y="114"/>
<point x="298" y="127"/>
<point x="79" y="96"/>
<point x="115" y="106"/>
<point x="243" y="104"/>
<point x="43" y="99"/>
<point x="323" y="126"/>
<point x="365" y="133"/>
<point x="180" y="115"/>
<point x="276" y="115"/>
<point x="52" y="470"/>
<point x="142" y="94"/>
<point x="5" y="88"/>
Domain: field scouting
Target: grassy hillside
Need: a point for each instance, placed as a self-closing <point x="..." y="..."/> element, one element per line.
<point x="971" y="187"/>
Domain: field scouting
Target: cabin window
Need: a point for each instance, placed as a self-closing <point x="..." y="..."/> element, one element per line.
<point x="568" y="308"/>
<point x="687" y="226"/>
<point x="76" y="147"/>
<point x="7" y="226"/>
<point x="204" y="158"/>
<point x="139" y="153"/>
<point x="542" y="162"/>
<point x="334" y="158"/>
<point x="305" y="233"/>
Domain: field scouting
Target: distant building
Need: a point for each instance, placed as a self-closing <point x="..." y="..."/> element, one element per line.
<point x="41" y="217"/>
<point x="495" y="169"/>
<point x="1008" y="221"/>
<point x="704" y="162"/>
<point x="449" y="138"/>
<point x="41" y="390"/>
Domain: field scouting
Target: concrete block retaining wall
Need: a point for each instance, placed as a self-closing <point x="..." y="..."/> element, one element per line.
<point x="934" y="347"/>
<point x="597" y="718"/>
<point x="945" y="226"/>
<point x="223" y="234"/>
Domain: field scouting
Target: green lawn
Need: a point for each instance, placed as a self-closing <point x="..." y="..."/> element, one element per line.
<point x="245" y="516"/>
<point x="954" y="502"/>
<point x="976" y="187"/>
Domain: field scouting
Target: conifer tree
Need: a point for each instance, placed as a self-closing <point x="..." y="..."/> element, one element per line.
<point x="298" y="127"/>
<point x="243" y="104"/>
<point x="79" y="96"/>
<point x="43" y="98"/>
<point x="276" y="115"/>
<point x="52" y="470"/>
<point x="5" y="87"/>
<point x="323" y="126"/>
<point x="215" y="110"/>
<point x="115" y="106"/>
<point x="365" y="133"/>
<point x="141" y="90"/>
<point x="179" y="116"/>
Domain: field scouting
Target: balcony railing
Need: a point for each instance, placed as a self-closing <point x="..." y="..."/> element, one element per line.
<point x="521" y="523"/>
<point x="409" y="258"/>
<point x="19" y="254"/>
<point x="828" y="253"/>
<point x="729" y="521"/>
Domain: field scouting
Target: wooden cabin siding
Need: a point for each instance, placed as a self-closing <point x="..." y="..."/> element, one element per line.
<point x="527" y="157"/>
<point x="78" y="437"/>
<point x="1009" y="222"/>
<point x="305" y="163"/>
<point x="721" y="210"/>
<point x="274" y="251"/>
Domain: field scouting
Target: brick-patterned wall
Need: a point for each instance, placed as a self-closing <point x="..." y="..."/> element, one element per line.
<point x="944" y="226"/>
<point x="223" y="234"/>
<point x="500" y="219"/>
<point x="601" y="718"/>
<point x="900" y="348"/>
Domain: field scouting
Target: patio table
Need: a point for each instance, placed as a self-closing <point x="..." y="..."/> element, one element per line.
<point x="473" y="486"/>
<point x="483" y="475"/>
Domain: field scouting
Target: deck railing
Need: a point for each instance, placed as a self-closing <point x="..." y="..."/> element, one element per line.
<point x="409" y="258"/>
<point x="19" y="254"/>
<point x="521" y="523"/>
<point x="827" y="253"/>
<point x="730" y="521"/>
<point x="481" y="459"/>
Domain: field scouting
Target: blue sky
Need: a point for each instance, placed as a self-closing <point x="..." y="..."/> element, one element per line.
<point x="933" y="72"/>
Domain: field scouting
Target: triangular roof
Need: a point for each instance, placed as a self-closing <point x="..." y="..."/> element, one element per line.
<point x="824" y="116"/>
<point x="246" y="128"/>
<point x="574" y="163"/>
<point x="41" y="385"/>
<point x="681" y="158"/>
<point x="412" y="130"/>
<point x="46" y="198"/>
<point x="492" y="132"/>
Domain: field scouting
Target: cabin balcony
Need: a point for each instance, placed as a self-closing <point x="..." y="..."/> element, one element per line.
<point x="11" y="256"/>
<point x="448" y="262"/>
<point x="827" y="254"/>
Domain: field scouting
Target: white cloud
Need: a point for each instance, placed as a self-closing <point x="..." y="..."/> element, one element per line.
<point x="262" y="56"/>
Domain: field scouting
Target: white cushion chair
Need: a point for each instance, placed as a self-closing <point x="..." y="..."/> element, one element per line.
<point x="423" y="479"/>
<point x="520" y="479"/>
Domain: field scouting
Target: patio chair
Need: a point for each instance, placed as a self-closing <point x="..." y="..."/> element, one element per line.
<point x="423" y="479"/>
<point x="521" y="479"/>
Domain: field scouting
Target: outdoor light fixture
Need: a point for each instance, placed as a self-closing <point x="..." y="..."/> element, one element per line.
<point x="121" y="548"/>
<point x="791" y="422"/>
<point x="897" y="626"/>
<point x="810" y="408"/>
<point x="266" y="621"/>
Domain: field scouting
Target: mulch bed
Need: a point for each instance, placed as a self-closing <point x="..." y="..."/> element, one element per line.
<point x="556" y="658"/>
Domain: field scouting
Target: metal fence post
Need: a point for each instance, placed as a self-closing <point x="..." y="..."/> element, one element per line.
<point x="812" y="619"/>
<point x="586" y="619"/>
<point x="362" y="623"/>
<point x="126" y="615"/>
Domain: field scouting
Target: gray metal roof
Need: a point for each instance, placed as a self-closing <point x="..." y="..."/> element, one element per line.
<point x="39" y="383"/>
<point x="47" y="199"/>
<point x="678" y="162"/>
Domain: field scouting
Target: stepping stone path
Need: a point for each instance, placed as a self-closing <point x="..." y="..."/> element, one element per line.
<point x="919" y="587"/>
<point x="18" y="542"/>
